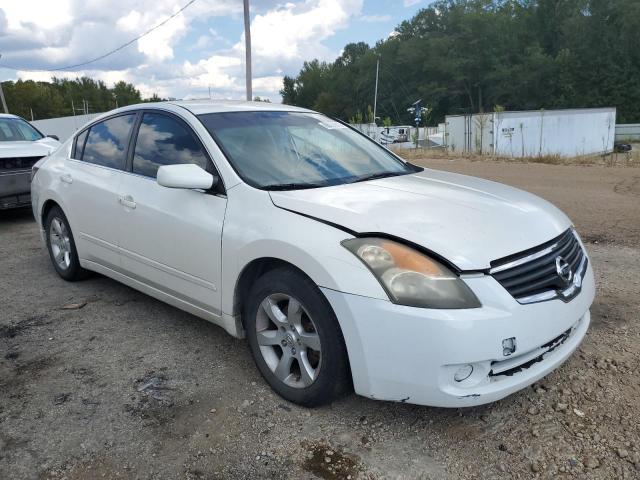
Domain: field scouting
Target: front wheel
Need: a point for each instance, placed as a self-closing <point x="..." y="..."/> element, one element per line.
<point x="295" y="338"/>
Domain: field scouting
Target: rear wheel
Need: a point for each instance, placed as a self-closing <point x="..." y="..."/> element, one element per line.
<point x="62" y="247"/>
<point x="295" y="338"/>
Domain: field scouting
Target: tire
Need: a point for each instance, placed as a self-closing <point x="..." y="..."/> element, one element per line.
<point x="309" y="339"/>
<point x="62" y="247"/>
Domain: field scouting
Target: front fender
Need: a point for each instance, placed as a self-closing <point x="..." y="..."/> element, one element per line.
<point x="255" y="228"/>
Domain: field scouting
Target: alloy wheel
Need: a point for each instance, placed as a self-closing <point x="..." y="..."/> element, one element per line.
<point x="60" y="243"/>
<point x="288" y="340"/>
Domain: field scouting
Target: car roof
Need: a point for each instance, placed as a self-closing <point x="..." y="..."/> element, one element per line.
<point x="198" y="107"/>
<point x="8" y="115"/>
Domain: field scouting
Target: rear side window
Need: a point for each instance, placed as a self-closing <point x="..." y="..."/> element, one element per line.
<point x="80" y="139"/>
<point x="107" y="142"/>
<point x="163" y="140"/>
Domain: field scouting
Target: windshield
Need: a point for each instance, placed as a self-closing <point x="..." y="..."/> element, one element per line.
<point x="291" y="150"/>
<point x="17" y="130"/>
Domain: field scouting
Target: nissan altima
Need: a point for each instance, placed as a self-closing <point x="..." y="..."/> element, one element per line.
<point x="342" y="265"/>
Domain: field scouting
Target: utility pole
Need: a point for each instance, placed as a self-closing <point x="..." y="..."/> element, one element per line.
<point x="4" y="102"/>
<point x="375" y="96"/>
<point x="247" y="49"/>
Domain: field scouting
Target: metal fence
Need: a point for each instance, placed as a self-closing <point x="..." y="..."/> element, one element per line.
<point x="63" y="127"/>
<point x="629" y="132"/>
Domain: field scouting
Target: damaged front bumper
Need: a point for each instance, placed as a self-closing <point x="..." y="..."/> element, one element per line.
<point x="15" y="189"/>
<point x="458" y="358"/>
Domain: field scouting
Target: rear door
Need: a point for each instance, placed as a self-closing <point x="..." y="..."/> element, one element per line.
<point x="90" y="181"/>
<point x="170" y="238"/>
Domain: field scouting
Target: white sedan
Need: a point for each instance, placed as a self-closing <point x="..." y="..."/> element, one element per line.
<point x="21" y="146"/>
<point x="343" y="266"/>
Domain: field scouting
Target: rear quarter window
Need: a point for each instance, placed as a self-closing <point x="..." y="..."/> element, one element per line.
<point x="107" y="142"/>
<point x="78" y="147"/>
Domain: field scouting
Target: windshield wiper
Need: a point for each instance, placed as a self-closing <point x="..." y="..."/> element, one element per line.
<point x="294" y="186"/>
<point x="375" y="176"/>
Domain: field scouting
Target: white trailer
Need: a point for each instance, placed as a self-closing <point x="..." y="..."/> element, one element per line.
<point x="396" y="134"/>
<point x="386" y="135"/>
<point x="568" y="133"/>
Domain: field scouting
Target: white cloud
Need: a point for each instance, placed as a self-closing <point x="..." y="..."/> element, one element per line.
<point x="157" y="46"/>
<point x="51" y="34"/>
<point x="410" y="3"/>
<point x="45" y="15"/>
<point x="210" y="40"/>
<point x="216" y="71"/>
<point x="296" y="31"/>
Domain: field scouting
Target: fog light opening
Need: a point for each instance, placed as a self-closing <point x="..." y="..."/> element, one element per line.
<point x="508" y="346"/>
<point x="463" y="373"/>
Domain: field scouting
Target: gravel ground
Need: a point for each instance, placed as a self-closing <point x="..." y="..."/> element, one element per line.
<point x="100" y="381"/>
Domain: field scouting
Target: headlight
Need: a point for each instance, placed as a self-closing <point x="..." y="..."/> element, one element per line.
<point x="411" y="278"/>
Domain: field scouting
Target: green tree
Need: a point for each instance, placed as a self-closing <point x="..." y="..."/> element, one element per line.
<point x="60" y="97"/>
<point x="125" y="94"/>
<point x="463" y="56"/>
<point x="288" y="91"/>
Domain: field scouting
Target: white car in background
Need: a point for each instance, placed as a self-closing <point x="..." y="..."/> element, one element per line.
<point x="340" y="263"/>
<point x="21" y="146"/>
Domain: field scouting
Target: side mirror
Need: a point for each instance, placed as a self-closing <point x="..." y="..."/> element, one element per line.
<point x="55" y="137"/>
<point x="186" y="175"/>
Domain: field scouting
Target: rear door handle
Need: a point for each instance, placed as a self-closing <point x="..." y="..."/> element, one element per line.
<point x="127" y="202"/>
<point x="66" y="178"/>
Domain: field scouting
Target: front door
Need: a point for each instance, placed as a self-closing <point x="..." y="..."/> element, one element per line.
<point x="170" y="239"/>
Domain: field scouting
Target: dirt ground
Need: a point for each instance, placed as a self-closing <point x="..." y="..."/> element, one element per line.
<point x="100" y="381"/>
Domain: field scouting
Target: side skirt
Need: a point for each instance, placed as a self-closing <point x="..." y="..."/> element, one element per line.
<point x="230" y="323"/>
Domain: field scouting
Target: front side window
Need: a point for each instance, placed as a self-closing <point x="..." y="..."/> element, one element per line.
<point x="17" y="130"/>
<point x="163" y="140"/>
<point x="289" y="150"/>
<point x="107" y="142"/>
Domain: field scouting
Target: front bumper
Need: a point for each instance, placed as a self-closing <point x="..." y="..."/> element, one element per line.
<point x="15" y="189"/>
<point x="412" y="354"/>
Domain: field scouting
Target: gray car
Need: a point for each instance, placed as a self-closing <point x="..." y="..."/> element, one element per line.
<point x="21" y="146"/>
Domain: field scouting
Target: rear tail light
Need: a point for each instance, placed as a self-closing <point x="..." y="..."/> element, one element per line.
<point x="34" y="170"/>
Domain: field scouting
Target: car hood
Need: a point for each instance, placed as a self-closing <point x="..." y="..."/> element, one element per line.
<point x="39" y="148"/>
<point x="467" y="220"/>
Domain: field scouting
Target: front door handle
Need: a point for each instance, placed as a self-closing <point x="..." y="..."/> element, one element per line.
<point x="127" y="202"/>
<point x="66" y="178"/>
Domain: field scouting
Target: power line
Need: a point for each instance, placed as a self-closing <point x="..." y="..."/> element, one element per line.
<point x="105" y="55"/>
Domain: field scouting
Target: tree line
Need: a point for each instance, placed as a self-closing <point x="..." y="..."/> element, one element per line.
<point x="467" y="56"/>
<point x="64" y="97"/>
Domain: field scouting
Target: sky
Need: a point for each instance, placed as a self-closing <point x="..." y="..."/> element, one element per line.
<point x="200" y="49"/>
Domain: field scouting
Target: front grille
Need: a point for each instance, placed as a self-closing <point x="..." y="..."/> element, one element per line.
<point x="533" y="276"/>
<point x="15" y="201"/>
<point x="17" y="163"/>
